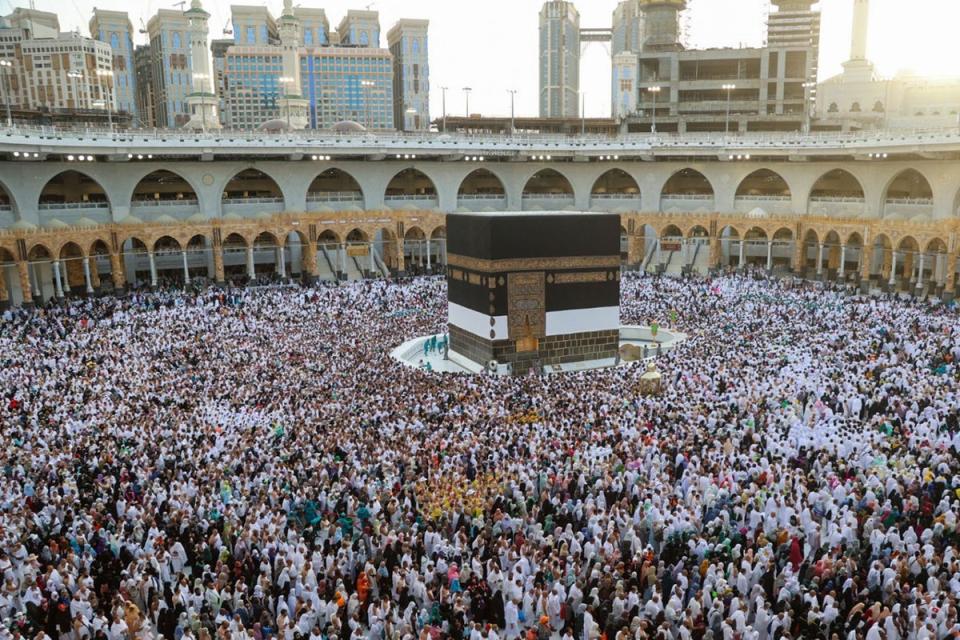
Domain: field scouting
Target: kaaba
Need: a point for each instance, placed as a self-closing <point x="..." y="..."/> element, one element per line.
<point x="533" y="289"/>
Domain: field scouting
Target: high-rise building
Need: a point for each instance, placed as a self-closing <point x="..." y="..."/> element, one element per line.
<point x="627" y="33"/>
<point x="624" y="84"/>
<point x="314" y="26"/>
<point x="114" y="28"/>
<point x="661" y="24"/>
<point x="34" y="24"/>
<point x="251" y="85"/>
<point x="172" y="75"/>
<point x="67" y="72"/>
<point x="360" y="29"/>
<point x="218" y="53"/>
<point x="559" y="60"/>
<point x="407" y="41"/>
<point x="344" y="83"/>
<point x="146" y="103"/>
<point x="293" y="106"/>
<point x="202" y="101"/>
<point x="253" y="26"/>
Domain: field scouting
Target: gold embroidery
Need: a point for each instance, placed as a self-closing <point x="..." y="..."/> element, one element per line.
<point x="575" y="278"/>
<point x="533" y="264"/>
<point x="526" y="305"/>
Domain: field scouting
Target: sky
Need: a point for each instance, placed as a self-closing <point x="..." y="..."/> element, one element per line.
<point x="491" y="45"/>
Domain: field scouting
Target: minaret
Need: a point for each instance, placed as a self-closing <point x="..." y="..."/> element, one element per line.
<point x="858" y="67"/>
<point x="293" y="106"/>
<point x="661" y="24"/>
<point x="203" y="101"/>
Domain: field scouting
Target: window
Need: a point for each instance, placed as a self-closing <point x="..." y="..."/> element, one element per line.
<point x="251" y="35"/>
<point x="176" y="40"/>
<point x="308" y="36"/>
<point x="263" y="33"/>
<point x="855" y="107"/>
<point x="833" y="108"/>
<point x="114" y="41"/>
<point x="364" y="39"/>
<point x="416" y="45"/>
<point x="878" y="107"/>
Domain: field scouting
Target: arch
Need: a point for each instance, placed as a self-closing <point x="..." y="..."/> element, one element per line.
<point x="615" y="182"/>
<point x="197" y="243"/>
<point x="414" y="233"/>
<point x="482" y="182"/>
<point x="438" y="233"/>
<point x="837" y="192"/>
<point x="909" y="244"/>
<point x="72" y="189"/>
<point x="334" y="185"/>
<point x="936" y="245"/>
<point x="251" y="185"/>
<point x="163" y="187"/>
<point x="70" y="251"/>
<point x="729" y="232"/>
<point x="698" y="231"/>
<point x="99" y="248"/>
<point x="357" y="235"/>
<point x="166" y="245"/>
<point x="547" y="182"/>
<point x="783" y="234"/>
<point x="386" y="241"/>
<point x="671" y="231"/>
<point x="687" y="182"/>
<point x="328" y="236"/>
<point x="6" y="256"/>
<point x="811" y="237"/>
<point x="265" y="240"/>
<point x="854" y="240"/>
<point x="763" y="183"/>
<point x="411" y="184"/>
<point x="908" y="194"/>
<point x="39" y="252"/>
<point x="755" y="233"/>
<point x="234" y="241"/>
<point x="7" y="202"/>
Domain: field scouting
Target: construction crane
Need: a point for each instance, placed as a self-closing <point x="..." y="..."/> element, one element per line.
<point x="143" y="27"/>
<point x="180" y="4"/>
<point x="228" y="28"/>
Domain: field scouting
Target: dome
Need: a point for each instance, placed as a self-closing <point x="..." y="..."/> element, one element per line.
<point x="263" y="215"/>
<point x="23" y="225"/>
<point x="274" y="125"/>
<point x="348" y="126"/>
<point x="165" y="219"/>
<point x="130" y="220"/>
<point x="462" y="210"/>
<point x="757" y="213"/>
<point x="324" y="209"/>
<point x="56" y="223"/>
<point x="87" y="222"/>
<point x="353" y="208"/>
<point x="232" y="216"/>
<point x="197" y="217"/>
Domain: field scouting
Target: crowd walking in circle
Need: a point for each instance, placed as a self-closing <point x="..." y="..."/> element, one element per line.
<point x="251" y="464"/>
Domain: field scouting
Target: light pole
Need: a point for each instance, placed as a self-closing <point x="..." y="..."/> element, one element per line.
<point x="583" y="113"/>
<point x="5" y="67"/>
<point x="807" y="86"/>
<point x="366" y="84"/>
<point x="513" y="93"/>
<point x="654" y="91"/>
<point x="75" y="75"/>
<point x="728" y="88"/>
<point x="443" y="93"/>
<point x="107" y="97"/>
<point x="466" y="92"/>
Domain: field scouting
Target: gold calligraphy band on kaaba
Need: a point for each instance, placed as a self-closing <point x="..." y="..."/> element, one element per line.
<point x="533" y="264"/>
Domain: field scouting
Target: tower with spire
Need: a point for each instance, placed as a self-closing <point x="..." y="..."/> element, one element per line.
<point x="202" y="102"/>
<point x="293" y="106"/>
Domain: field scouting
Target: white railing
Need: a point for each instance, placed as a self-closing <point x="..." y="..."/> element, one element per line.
<point x="615" y="196"/>
<point x="6" y="207"/>
<point x="558" y="197"/>
<point x="334" y="196"/>
<point x="910" y="201"/>
<point x="759" y="198"/>
<point x="487" y="197"/>
<point x="58" y="206"/>
<point x="837" y="199"/>
<point x="409" y="197"/>
<point x="252" y="201"/>
<point x="687" y="196"/>
<point x="165" y="203"/>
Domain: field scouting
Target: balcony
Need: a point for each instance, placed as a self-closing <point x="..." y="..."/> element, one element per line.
<point x="907" y="208"/>
<point x="547" y="201"/>
<point x="334" y="200"/>
<point x="179" y="209"/>
<point x="771" y="204"/>
<point x="412" y="202"/>
<point x="615" y="202"/>
<point x="686" y="202"/>
<point x="250" y="207"/>
<point x="839" y="206"/>
<point x="482" y="201"/>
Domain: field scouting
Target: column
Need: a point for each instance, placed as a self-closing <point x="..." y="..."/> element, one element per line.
<point x="24" y="272"/>
<point x="951" y="280"/>
<point x="281" y="263"/>
<point x="841" y="271"/>
<point x="401" y="259"/>
<point x="769" y="255"/>
<point x="153" y="269"/>
<point x="893" y="268"/>
<point x="633" y="249"/>
<point x="116" y="272"/>
<point x="716" y="252"/>
<point x="908" y="265"/>
<point x="35" y="274"/>
<point x="373" y="260"/>
<point x="217" y="262"/>
<point x="343" y="259"/>
<point x="86" y="275"/>
<point x="309" y="257"/>
<point x="743" y="254"/>
<point x="820" y="259"/>
<point x="866" y="262"/>
<point x="186" y="269"/>
<point x="57" y="283"/>
<point x="64" y="277"/>
<point x="923" y="258"/>
<point x="799" y="259"/>
<point x="428" y="254"/>
<point x="251" y="270"/>
<point x="4" y="294"/>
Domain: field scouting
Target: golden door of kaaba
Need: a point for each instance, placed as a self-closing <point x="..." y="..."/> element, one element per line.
<point x="526" y="309"/>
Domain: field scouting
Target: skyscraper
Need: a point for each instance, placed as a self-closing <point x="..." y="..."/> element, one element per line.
<point x="559" y="60"/>
<point x="407" y="41"/>
<point x="202" y="102"/>
<point x="114" y="28"/>
<point x="360" y="29"/>
<point x="169" y="32"/>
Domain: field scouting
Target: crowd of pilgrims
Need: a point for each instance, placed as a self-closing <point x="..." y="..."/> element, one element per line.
<point x="251" y="464"/>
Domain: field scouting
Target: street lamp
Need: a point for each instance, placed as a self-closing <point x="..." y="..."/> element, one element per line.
<point x="513" y="93"/>
<point x="108" y="96"/>
<point x="807" y="86"/>
<point x="5" y="66"/>
<point x="728" y="88"/>
<point x="654" y="91"/>
<point x="443" y="92"/>
<point x="366" y="85"/>
<point x="466" y="92"/>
